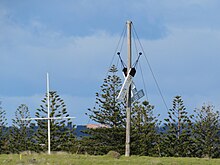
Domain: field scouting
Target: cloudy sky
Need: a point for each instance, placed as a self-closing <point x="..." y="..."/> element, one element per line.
<point x="75" y="40"/>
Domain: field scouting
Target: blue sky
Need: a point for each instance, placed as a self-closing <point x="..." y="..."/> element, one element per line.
<point x="74" y="40"/>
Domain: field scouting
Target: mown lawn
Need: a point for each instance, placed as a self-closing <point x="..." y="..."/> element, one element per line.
<point x="69" y="159"/>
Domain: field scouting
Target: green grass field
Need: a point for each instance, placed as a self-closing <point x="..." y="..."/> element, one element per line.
<point x="69" y="159"/>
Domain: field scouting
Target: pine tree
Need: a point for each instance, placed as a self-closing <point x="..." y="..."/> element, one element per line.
<point x="144" y="137"/>
<point x="20" y="133"/>
<point x="3" y="132"/>
<point x="177" y="139"/>
<point x="207" y="132"/>
<point x="109" y="113"/>
<point x="62" y="138"/>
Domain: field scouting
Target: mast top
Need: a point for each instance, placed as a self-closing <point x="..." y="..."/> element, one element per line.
<point x="129" y="22"/>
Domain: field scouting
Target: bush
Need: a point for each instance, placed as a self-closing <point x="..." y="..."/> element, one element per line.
<point x="113" y="154"/>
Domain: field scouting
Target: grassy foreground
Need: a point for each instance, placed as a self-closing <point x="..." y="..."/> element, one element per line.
<point x="69" y="159"/>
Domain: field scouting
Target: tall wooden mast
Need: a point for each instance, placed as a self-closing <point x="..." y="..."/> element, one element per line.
<point x="128" y="107"/>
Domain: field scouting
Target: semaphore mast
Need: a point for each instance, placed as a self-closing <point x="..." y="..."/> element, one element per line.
<point x="128" y="107"/>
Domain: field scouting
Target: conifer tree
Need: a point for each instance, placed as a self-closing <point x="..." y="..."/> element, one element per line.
<point x="144" y="137"/>
<point x="110" y="113"/>
<point x="207" y="132"/>
<point x="177" y="139"/>
<point x="20" y="133"/>
<point x="3" y="133"/>
<point x="62" y="138"/>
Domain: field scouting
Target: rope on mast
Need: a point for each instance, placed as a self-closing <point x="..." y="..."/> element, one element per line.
<point x="151" y="70"/>
<point x="145" y="89"/>
<point x="120" y="40"/>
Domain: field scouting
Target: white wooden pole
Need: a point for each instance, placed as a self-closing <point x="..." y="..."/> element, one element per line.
<point x="48" y="118"/>
<point x="48" y="112"/>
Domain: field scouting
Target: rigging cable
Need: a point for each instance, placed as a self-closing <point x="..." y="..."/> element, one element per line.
<point x="136" y="62"/>
<point x="135" y="44"/>
<point x="119" y="52"/>
<point x="145" y="89"/>
<point x="158" y="87"/>
<point x="122" y="36"/>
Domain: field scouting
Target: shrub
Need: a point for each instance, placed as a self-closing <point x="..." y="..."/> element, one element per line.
<point x="113" y="154"/>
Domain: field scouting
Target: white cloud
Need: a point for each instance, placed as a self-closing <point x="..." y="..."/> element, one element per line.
<point x="75" y="42"/>
<point x="28" y="55"/>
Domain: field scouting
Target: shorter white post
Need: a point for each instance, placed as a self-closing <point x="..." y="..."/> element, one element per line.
<point x="48" y="112"/>
<point x="48" y="118"/>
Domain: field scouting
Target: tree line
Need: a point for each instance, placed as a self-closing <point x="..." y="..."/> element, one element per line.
<point x="180" y="134"/>
<point x="25" y="135"/>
